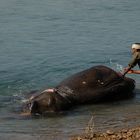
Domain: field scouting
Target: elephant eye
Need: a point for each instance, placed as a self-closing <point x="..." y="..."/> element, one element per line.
<point x="84" y="82"/>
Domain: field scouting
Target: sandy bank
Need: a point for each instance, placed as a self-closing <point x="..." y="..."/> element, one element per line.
<point x="124" y="134"/>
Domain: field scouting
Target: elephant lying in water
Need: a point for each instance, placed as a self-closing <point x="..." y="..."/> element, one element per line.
<point x="96" y="84"/>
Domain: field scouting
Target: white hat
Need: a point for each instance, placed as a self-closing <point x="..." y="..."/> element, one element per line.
<point x="136" y="46"/>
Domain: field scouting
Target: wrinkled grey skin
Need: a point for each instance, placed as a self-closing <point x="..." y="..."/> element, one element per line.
<point x="94" y="85"/>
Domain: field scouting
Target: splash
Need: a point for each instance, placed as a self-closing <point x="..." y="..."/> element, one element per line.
<point x="116" y="66"/>
<point x="19" y="97"/>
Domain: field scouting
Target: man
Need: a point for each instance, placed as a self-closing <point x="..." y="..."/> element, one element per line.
<point x="135" y="59"/>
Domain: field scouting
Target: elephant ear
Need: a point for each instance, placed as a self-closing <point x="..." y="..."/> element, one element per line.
<point x="51" y="100"/>
<point x="34" y="107"/>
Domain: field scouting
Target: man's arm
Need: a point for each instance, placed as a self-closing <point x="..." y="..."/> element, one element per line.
<point x="131" y="64"/>
<point x="134" y="72"/>
<point x="133" y="61"/>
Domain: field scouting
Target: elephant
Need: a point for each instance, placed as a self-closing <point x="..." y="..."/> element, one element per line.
<point x="94" y="85"/>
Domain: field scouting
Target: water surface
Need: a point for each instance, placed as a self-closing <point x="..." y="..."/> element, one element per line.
<point x="43" y="42"/>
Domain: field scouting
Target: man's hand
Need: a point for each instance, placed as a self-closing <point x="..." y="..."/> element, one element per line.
<point x="130" y="71"/>
<point x="126" y="70"/>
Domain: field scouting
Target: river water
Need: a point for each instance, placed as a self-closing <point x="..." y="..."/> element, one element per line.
<point x="42" y="42"/>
